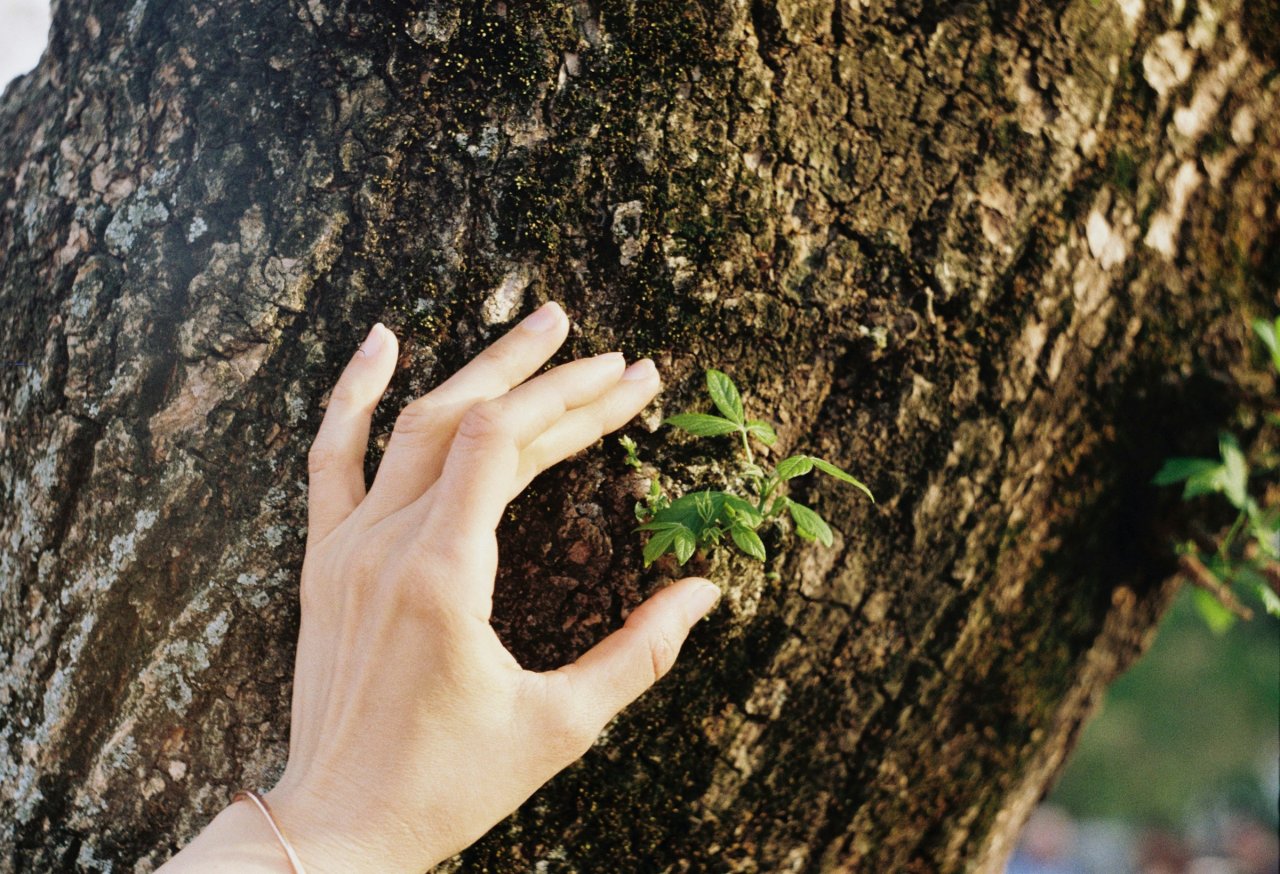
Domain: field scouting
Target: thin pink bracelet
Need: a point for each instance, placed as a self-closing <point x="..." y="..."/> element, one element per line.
<point x="257" y="799"/>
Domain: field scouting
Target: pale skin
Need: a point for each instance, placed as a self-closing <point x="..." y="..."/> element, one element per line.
<point x="414" y="731"/>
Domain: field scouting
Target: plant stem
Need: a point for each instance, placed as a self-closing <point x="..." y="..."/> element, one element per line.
<point x="1231" y="535"/>
<point x="746" y="444"/>
<point x="765" y="493"/>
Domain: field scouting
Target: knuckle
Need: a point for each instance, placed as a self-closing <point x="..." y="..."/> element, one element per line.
<point x="484" y="420"/>
<point x="572" y="731"/>
<point x="344" y="394"/>
<point x="663" y="650"/>
<point x="503" y="357"/>
<point x="418" y="416"/>
<point x="321" y="456"/>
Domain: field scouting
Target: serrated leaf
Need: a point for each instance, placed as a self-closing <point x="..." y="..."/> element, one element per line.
<point x="794" y="466"/>
<point x="751" y="469"/>
<point x="658" y="544"/>
<point x="724" y="394"/>
<point x="701" y="424"/>
<point x="1235" y="477"/>
<point x="704" y="505"/>
<point x="1175" y="470"/>
<point x="748" y="541"/>
<point x="762" y="431"/>
<point x="809" y="524"/>
<point x="844" y="476"/>
<point x="684" y="544"/>
<point x="684" y="511"/>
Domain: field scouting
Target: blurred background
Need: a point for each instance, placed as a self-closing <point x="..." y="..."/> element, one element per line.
<point x="1179" y="773"/>
<point x="1180" y="769"/>
<point x="24" y="25"/>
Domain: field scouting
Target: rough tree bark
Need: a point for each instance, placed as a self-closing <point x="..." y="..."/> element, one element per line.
<point x="992" y="256"/>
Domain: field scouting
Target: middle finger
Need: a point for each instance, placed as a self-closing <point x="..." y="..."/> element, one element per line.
<point x="416" y="451"/>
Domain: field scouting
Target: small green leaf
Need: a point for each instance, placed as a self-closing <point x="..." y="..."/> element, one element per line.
<point x="1208" y="481"/>
<point x="1212" y="611"/>
<point x="762" y="431"/>
<point x="724" y="394"/>
<point x="1270" y="600"/>
<point x="705" y="506"/>
<point x="1265" y="528"/>
<point x="748" y="541"/>
<point x="684" y="544"/>
<point x="658" y="525"/>
<point x="742" y="510"/>
<point x="809" y="524"/>
<point x="752" y="469"/>
<point x="629" y="446"/>
<point x="1175" y="470"/>
<point x="702" y="424"/>
<point x="794" y="466"/>
<point x="831" y="470"/>
<point x="1235" y="479"/>
<point x="1269" y="333"/>
<point x="658" y="544"/>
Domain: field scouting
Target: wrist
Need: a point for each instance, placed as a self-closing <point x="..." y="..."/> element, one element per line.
<point x="237" y="839"/>
<point x="332" y="832"/>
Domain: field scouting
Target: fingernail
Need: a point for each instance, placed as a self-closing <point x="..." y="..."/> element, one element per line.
<point x="543" y="319"/>
<point x="641" y="369"/>
<point x="703" y="598"/>
<point x="373" y="342"/>
<point x="611" y="357"/>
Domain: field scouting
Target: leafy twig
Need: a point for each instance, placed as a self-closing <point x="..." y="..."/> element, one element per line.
<point x="1219" y="568"/>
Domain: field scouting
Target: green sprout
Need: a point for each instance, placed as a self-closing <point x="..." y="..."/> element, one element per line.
<point x="703" y="518"/>
<point x="629" y="446"/>
<point x="1248" y="557"/>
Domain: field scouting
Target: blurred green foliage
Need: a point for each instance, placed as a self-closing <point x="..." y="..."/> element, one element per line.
<point x="1194" y="722"/>
<point x="1246" y="559"/>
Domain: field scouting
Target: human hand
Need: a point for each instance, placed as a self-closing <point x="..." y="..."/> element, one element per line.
<point x="414" y="731"/>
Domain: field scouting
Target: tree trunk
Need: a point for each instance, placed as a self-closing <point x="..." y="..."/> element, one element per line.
<point x="990" y="256"/>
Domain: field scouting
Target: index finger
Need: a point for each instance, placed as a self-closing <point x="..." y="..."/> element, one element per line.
<point x="416" y="451"/>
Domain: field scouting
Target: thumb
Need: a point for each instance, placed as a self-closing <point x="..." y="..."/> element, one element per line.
<point x="614" y="672"/>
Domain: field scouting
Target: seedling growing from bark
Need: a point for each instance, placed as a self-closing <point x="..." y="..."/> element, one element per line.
<point x="703" y="518"/>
